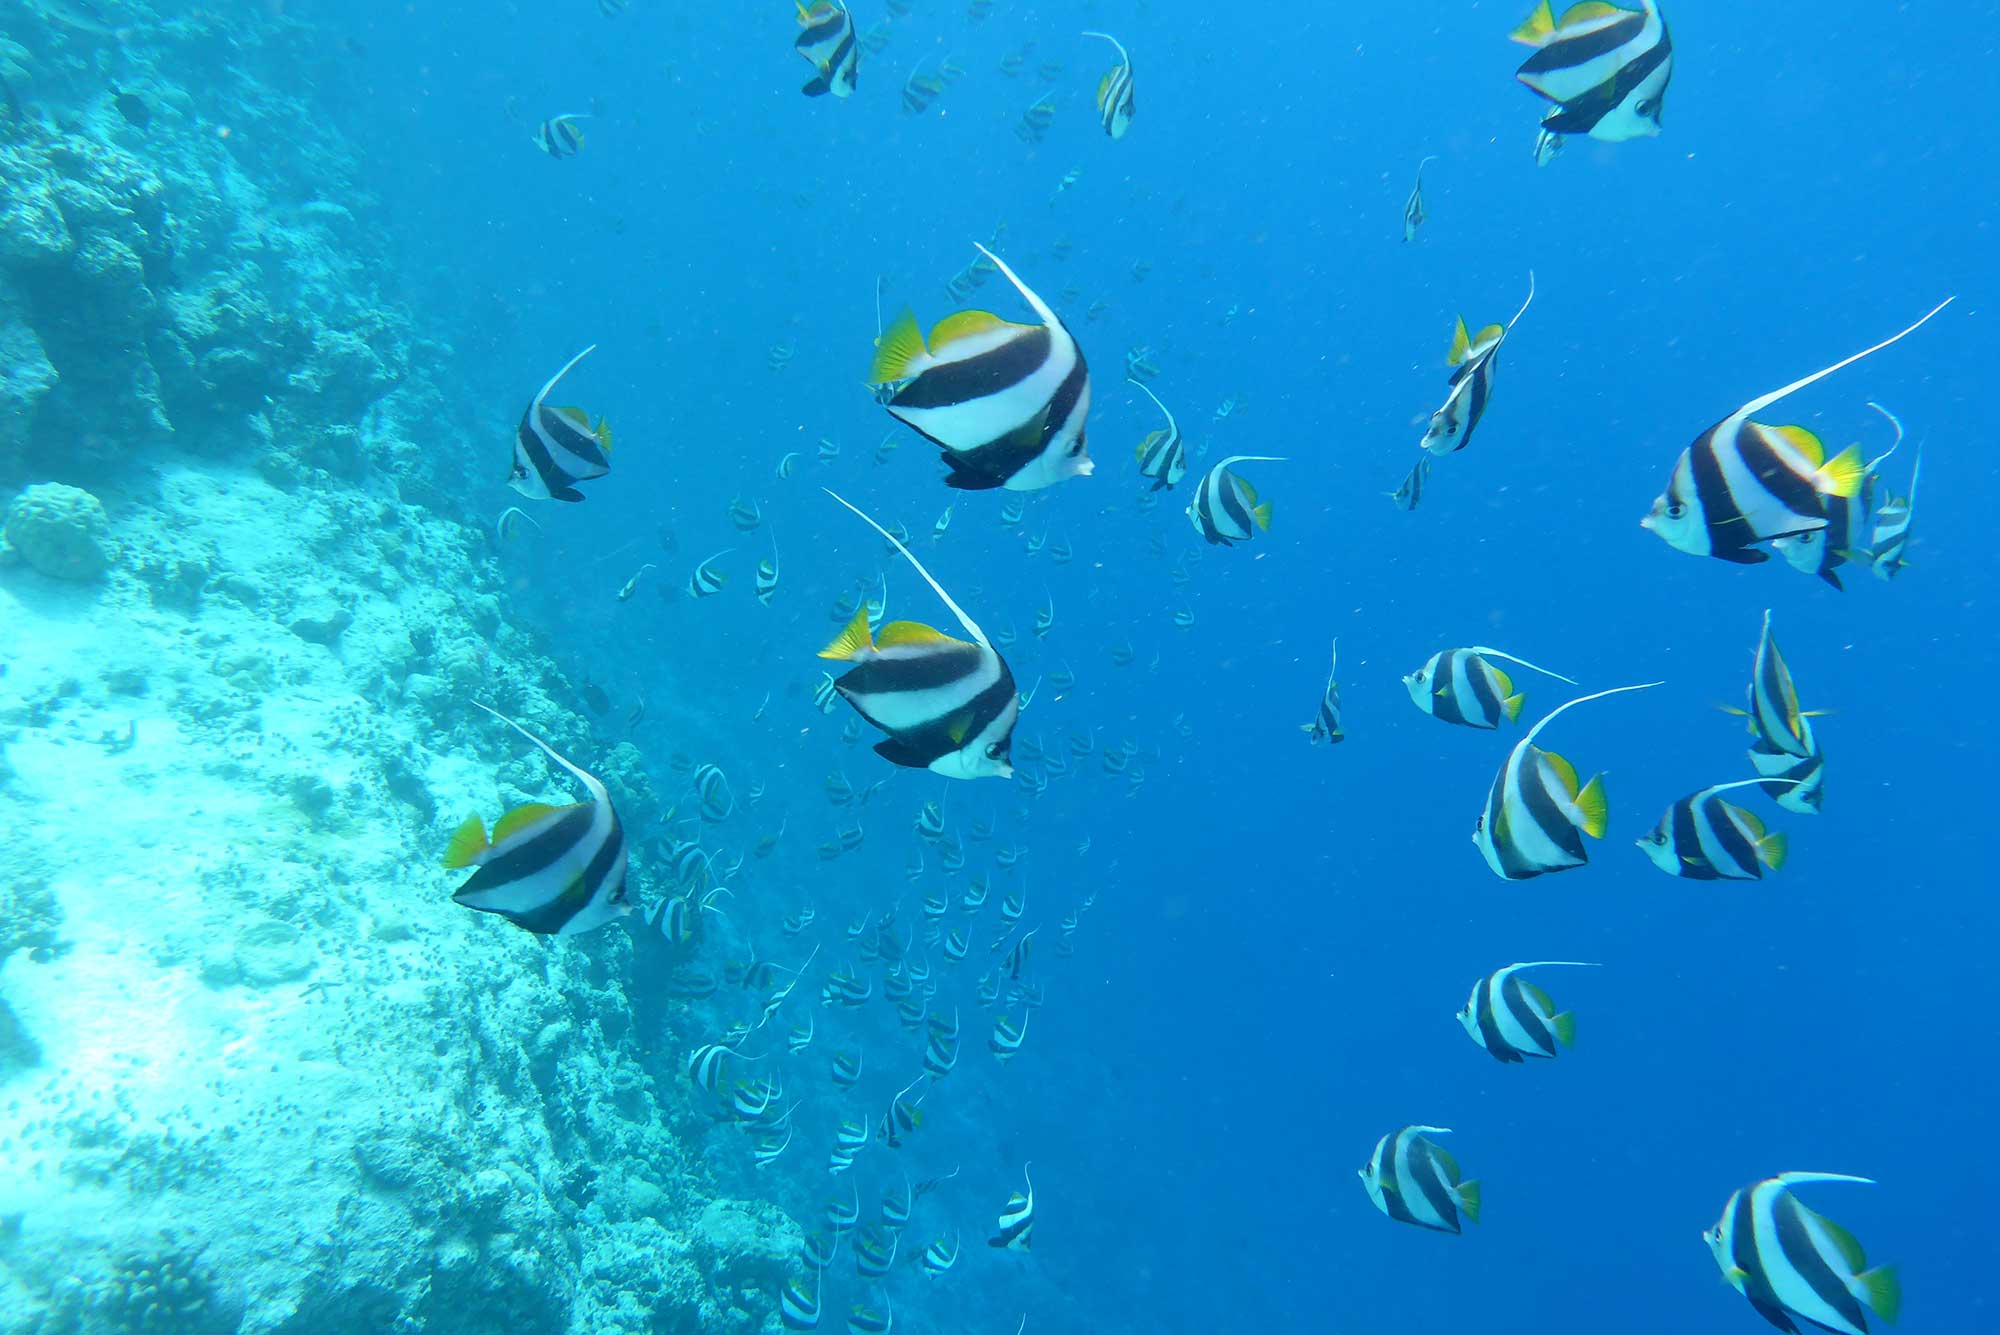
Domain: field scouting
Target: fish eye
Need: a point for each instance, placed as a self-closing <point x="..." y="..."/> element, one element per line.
<point x="1422" y="676"/>
<point x="1676" y="510"/>
<point x="1076" y="449"/>
<point x="1650" y="108"/>
<point x="994" y="750"/>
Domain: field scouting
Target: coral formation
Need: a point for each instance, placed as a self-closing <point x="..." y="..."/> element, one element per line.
<point x="59" y="531"/>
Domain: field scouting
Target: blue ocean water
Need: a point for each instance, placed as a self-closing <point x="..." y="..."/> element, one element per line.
<point x="1281" y="932"/>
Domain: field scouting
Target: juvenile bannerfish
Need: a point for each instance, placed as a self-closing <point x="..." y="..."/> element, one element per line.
<point x="631" y="586"/>
<point x="826" y="39"/>
<point x="1007" y="402"/>
<point x="947" y="705"/>
<point x="1460" y="686"/>
<point x="1114" y="92"/>
<point x="556" y="448"/>
<point x="767" y="574"/>
<point x="707" y="581"/>
<point x="554" y="871"/>
<point x="1797" y="1266"/>
<point x="1410" y="492"/>
<point x="745" y="515"/>
<point x="1045" y="620"/>
<point x="1413" y="208"/>
<point x="920" y="89"/>
<point x="939" y="529"/>
<point x="788" y="464"/>
<point x="1017" y="1220"/>
<point x="1848" y="518"/>
<point x="1162" y="454"/>
<point x="1547" y="144"/>
<point x="1742" y="483"/>
<point x="1606" y="69"/>
<point x="561" y="136"/>
<point x="1782" y="746"/>
<point x="1704" y="838"/>
<point x="1225" y="509"/>
<point x="1416" y="1182"/>
<point x="1515" y="1020"/>
<point x="1536" y="815"/>
<point x="1325" y="726"/>
<point x="1474" y="360"/>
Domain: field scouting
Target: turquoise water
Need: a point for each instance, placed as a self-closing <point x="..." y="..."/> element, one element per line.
<point x="275" y="314"/>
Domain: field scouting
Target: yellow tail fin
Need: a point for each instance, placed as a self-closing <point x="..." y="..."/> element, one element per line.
<point x="1594" y="807"/>
<point x="852" y="642"/>
<point x="1262" y="514"/>
<point x="468" y="841"/>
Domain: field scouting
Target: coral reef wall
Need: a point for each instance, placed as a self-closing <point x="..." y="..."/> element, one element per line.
<point x="257" y="1074"/>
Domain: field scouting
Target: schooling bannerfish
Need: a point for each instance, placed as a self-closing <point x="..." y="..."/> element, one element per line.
<point x="1162" y="454"/>
<point x="826" y="39"/>
<point x="1474" y="360"/>
<point x="560" y="136"/>
<point x="1225" y="509"/>
<point x="1704" y="838"/>
<point x="1413" y="208"/>
<point x="1414" y="1181"/>
<point x="554" y="871"/>
<point x="1515" y="1020"/>
<point x="947" y="705"/>
<point x="1536" y="814"/>
<point x="1797" y="1266"/>
<point x="1114" y="91"/>
<point x="1742" y="483"/>
<point x="1606" y="69"/>
<point x="1461" y="686"/>
<point x="556" y="448"/>
<point x="1006" y="402"/>
<point x="1325" y="726"/>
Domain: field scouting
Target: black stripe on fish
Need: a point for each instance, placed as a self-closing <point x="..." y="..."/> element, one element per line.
<point x="1795" y="1242"/>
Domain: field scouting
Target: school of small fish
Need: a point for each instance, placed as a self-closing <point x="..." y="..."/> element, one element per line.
<point x="1005" y="404"/>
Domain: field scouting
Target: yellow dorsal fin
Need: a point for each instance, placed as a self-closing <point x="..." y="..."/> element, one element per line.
<point x="1594" y="807"/>
<point x="1460" y="344"/>
<point x="1564" y="771"/>
<point x="1802" y="440"/>
<point x="852" y="642"/>
<point x="1490" y="335"/>
<point x="1844" y="474"/>
<point x="907" y="634"/>
<point x="1536" y="28"/>
<point x="900" y="347"/>
<point x="1750" y="822"/>
<point x="1249" y="492"/>
<point x="1585" y="12"/>
<point x="576" y="417"/>
<point x="1147" y="444"/>
<point x="1540" y="997"/>
<point x="468" y="841"/>
<point x="519" y="819"/>
<point x="1104" y="88"/>
<point x="963" y="325"/>
<point x="1503" y="685"/>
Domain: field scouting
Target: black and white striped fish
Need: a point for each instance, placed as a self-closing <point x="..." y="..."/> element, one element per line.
<point x="560" y="136"/>
<point x="826" y="40"/>
<point x="1782" y="746"/>
<point x="554" y="871"/>
<point x="1007" y="402"/>
<point x="1605" y="68"/>
<point x="1162" y="454"/>
<point x="1849" y="521"/>
<point x="1225" y="509"/>
<point x="1413" y="207"/>
<point x="1325" y="726"/>
<point x="1460" y="686"/>
<point x="1742" y="483"/>
<point x="767" y="575"/>
<point x="556" y="448"/>
<point x="1017" y="1221"/>
<point x="1704" y="838"/>
<point x="1515" y="1020"/>
<point x="865" y="1320"/>
<point x="1474" y="362"/>
<point x="1114" y="91"/>
<point x="947" y="705"/>
<point x="1410" y="492"/>
<point x="1536" y="813"/>
<point x="798" y="1306"/>
<point x="941" y="1256"/>
<point x="1416" y="1182"/>
<point x="707" y="581"/>
<point x="1889" y="539"/>
<point x="1799" y="1268"/>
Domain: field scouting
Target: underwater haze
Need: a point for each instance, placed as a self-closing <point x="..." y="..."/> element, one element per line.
<point x="447" y="887"/>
